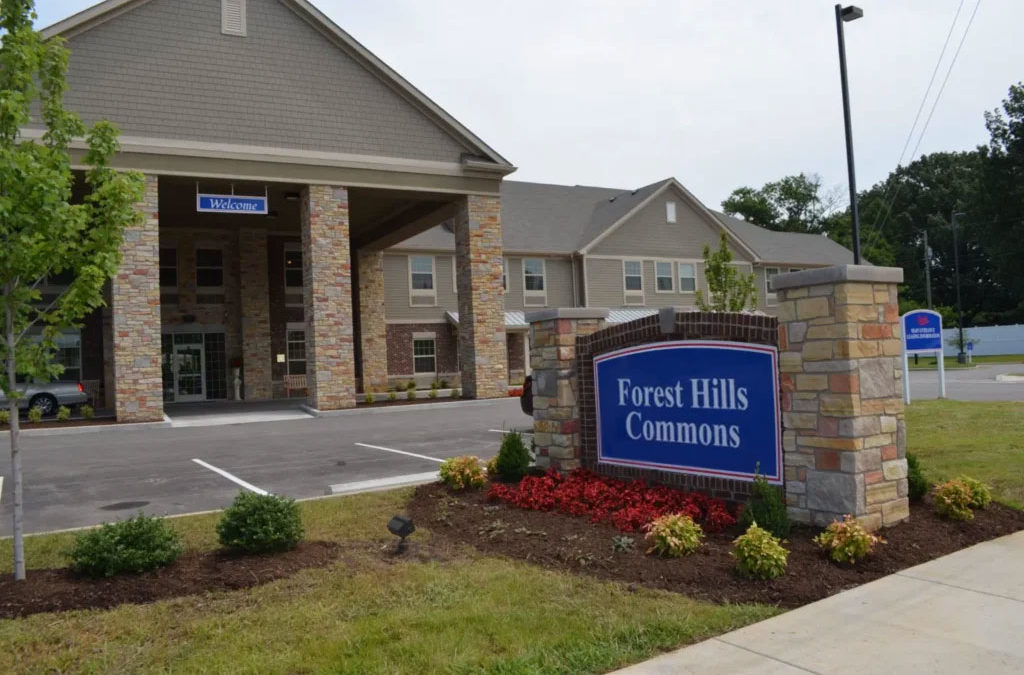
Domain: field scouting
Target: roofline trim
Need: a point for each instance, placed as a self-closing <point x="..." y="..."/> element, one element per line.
<point x="108" y="9"/>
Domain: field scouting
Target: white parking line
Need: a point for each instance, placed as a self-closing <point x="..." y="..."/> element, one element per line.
<point x="1" y="488"/>
<point x="399" y="452"/>
<point x="508" y="431"/>
<point x="248" y="486"/>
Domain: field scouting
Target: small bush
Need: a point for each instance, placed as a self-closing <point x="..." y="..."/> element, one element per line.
<point x="134" y="545"/>
<point x="459" y="473"/>
<point x="35" y="415"/>
<point x="257" y="523"/>
<point x="953" y="500"/>
<point x="491" y="467"/>
<point x="434" y="385"/>
<point x="674" y="535"/>
<point x="392" y="396"/>
<point x="411" y="384"/>
<point x="369" y="397"/>
<point x="980" y="495"/>
<point x="622" y="544"/>
<point x="444" y="384"/>
<point x="432" y="394"/>
<point x="847" y="541"/>
<point x="513" y="458"/>
<point x="759" y="555"/>
<point x="767" y="507"/>
<point x="456" y="393"/>
<point x="5" y="416"/>
<point x="87" y="412"/>
<point x="917" y="484"/>
<point x="63" y="414"/>
<point x="410" y="394"/>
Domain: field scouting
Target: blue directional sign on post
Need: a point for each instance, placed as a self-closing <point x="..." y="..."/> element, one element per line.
<point x="922" y="331"/>
<point x="695" y="406"/>
<point x="207" y="203"/>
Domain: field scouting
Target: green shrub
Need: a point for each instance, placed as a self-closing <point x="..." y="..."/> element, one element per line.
<point x="622" y="544"/>
<point x="257" y="523"/>
<point x="5" y="416"/>
<point x="513" y="457"/>
<point x="953" y="500"/>
<point x="456" y="393"/>
<point x="87" y="412"/>
<point x="444" y="384"/>
<point x="980" y="495"/>
<point x="767" y="507"/>
<point x="411" y="384"/>
<point x="491" y="468"/>
<point x="392" y="396"/>
<point x="63" y="414"/>
<point x="434" y="385"/>
<point x="369" y="397"/>
<point x="134" y="545"/>
<point x="35" y="415"/>
<point x="459" y="473"/>
<point x="759" y="555"/>
<point x="674" y="535"/>
<point x="432" y="394"/>
<point x="410" y="394"/>
<point x="917" y="484"/>
<point x="847" y="540"/>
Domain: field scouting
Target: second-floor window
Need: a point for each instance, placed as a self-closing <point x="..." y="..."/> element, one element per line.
<point x="534" y="282"/>
<point x="169" y="268"/>
<point x="633" y="282"/>
<point x="209" y="268"/>
<point x="687" y="277"/>
<point x="422" y="289"/>
<point x="663" y="277"/>
<point x="504" y="273"/>
<point x="293" y="266"/>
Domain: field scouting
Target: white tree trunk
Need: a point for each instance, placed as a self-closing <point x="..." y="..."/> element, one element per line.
<point x="19" y="539"/>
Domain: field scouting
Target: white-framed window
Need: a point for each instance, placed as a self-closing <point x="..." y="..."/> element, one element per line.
<point x="670" y="212"/>
<point x="69" y="355"/>
<point x="535" y="282"/>
<point x="504" y="273"/>
<point x="633" y="282"/>
<point x="769" y="288"/>
<point x="292" y="266"/>
<point x="664" y="281"/>
<point x="424" y="355"/>
<point x="209" y="268"/>
<point x="295" y="348"/>
<point x="687" y="277"/>
<point x="169" y="268"/>
<point x="422" y="289"/>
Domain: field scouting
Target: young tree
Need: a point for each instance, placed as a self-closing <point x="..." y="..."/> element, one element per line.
<point x="41" y="232"/>
<point x="729" y="290"/>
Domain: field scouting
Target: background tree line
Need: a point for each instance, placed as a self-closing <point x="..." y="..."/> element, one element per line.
<point x="986" y="185"/>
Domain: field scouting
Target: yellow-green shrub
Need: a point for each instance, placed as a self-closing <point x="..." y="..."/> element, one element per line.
<point x="980" y="495"/>
<point x="463" y="472"/>
<point x="673" y="535"/>
<point x="953" y="500"/>
<point x="5" y="416"/>
<point x="491" y="467"/>
<point x="63" y="413"/>
<point x="847" y="540"/>
<point x="35" y="415"/>
<point x="759" y="555"/>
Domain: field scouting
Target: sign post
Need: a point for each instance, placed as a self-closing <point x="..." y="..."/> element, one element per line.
<point x="922" y="333"/>
<point x="970" y="352"/>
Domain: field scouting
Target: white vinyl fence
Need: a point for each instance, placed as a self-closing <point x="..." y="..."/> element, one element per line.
<point x="988" y="340"/>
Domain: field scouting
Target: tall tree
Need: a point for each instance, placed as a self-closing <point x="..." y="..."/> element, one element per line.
<point x="42" y="233"/>
<point x="797" y="203"/>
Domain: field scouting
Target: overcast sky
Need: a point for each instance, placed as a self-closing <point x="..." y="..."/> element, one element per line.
<point x="718" y="93"/>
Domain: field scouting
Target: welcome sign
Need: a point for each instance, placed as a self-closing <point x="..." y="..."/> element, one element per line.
<point x="922" y="331"/>
<point x="698" y="407"/>
<point x="208" y="203"/>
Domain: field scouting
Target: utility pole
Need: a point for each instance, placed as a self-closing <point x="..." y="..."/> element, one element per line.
<point x="961" y="357"/>
<point x="927" y="270"/>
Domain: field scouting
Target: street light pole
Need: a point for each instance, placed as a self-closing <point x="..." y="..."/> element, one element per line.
<point x="843" y="15"/>
<point x="961" y="357"/>
<point x="927" y="270"/>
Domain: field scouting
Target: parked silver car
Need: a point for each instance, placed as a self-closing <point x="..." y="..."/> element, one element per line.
<point x="48" y="396"/>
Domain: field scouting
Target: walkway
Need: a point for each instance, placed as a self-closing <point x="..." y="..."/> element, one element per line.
<point x="963" y="613"/>
<point x="216" y="413"/>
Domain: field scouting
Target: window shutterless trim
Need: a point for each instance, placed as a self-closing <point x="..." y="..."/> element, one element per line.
<point x="671" y="275"/>
<point x="695" y="277"/>
<point x="634" y="293"/>
<point x="208" y="246"/>
<point x="422" y="292"/>
<point x="769" y="292"/>
<point x="534" y="294"/>
<point x="432" y="357"/>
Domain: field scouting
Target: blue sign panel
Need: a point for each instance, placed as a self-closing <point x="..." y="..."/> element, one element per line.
<point x="231" y="204"/>
<point x="700" y="407"/>
<point x="922" y="331"/>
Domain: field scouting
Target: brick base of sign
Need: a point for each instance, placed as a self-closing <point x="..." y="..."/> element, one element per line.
<point x="669" y="325"/>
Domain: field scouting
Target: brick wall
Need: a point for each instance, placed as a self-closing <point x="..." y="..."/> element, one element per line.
<point x="400" y="366"/>
<point x="254" y="299"/>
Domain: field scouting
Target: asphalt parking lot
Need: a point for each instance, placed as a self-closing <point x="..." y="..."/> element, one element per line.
<point x="87" y="478"/>
<point x="969" y="384"/>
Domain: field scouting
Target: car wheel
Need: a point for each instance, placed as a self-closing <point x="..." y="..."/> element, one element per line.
<point x="46" y="403"/>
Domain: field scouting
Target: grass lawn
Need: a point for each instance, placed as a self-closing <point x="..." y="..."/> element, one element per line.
<point x="982" y="440"/>
<point x="928" y="362"/>
<point x="464" y="614"/>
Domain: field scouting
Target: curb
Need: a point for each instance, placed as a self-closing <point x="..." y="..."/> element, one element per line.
<point x="89" y="429"/>
<point x="381" y="484"/>
<point x="397" y="408"/>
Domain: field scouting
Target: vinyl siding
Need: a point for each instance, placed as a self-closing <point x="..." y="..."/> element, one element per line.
<point x="163" y="69"/>
<point x="557" y="282"/>
<point x="606" y="286"/>
<point x="396" y="290"/>
<point x="648" y="234"/>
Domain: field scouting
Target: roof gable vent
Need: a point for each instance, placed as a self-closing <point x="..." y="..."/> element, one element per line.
<point x="232" y="17"/>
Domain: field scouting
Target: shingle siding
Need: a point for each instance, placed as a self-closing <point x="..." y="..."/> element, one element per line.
<point x="163" y="69"/>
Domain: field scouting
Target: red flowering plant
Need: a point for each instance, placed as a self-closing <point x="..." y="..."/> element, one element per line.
<point x="628" y="505"/>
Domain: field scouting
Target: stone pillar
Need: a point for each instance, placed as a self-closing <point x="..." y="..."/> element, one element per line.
<point x="844" y="436"/>
<point x="254" y="288"/>
<point x="135" y="314"/>
<point x="327" y="289"/>
<point x="373" y="339"/>
<point x="556" y="414"/>
<point x="478" y="250"/>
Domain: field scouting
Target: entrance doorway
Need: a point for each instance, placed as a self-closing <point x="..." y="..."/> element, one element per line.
<point x="189" y="365"/>
<point x="193" y="367"/>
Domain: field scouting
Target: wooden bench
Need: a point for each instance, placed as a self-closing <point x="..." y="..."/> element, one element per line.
<point x="294" y="382"/>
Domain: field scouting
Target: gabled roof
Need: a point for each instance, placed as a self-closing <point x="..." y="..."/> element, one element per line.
<point x="792" y="248"/>
<point x="481" y="158"/>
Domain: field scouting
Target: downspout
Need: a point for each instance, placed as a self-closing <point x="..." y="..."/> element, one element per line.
<point x="575" y="295"/>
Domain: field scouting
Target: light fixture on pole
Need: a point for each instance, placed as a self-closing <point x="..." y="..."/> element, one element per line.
<point x="844" y="15"/>
<point x="961" y="357"/>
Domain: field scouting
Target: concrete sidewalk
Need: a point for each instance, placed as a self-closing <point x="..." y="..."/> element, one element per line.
<point x="963" y="613"/>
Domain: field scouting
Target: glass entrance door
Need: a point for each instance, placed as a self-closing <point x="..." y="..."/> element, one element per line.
<point x="189" y="365"/>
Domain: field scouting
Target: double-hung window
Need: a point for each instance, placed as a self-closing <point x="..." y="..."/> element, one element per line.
<point x="633" y="282"/>
<point x="296" y="350"/>
<point x="292" y="266"/>
<point x="687" y="277"/>
<point x="422" y="289"/>
<point x="209" y="268"/>
<point x="663" y="280"/>
<point x="169" y="269"/>
<point x="534" y="282"/>
<point x="69" y="355"/>
<point x="424" y="355"/>
<point x="769" y="278"/>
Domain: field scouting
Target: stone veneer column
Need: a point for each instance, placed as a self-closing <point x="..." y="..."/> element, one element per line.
<point x="478" y="253"/>
<point x="135" y="313"/>
<point x="327" y="289"/>
<point x="254" y="289"/>
<point x="556" y="414"/>
<point x="844" y="435"/>
<point x="373" y="339"/>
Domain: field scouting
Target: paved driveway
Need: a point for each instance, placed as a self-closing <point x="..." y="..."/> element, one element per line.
<point x="84" y="479"/>
<point x="969" y="384"/>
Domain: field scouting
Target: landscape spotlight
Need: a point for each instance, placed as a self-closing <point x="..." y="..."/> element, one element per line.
<point x="401" y="527"/>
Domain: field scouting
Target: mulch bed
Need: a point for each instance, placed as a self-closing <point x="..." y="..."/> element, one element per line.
<point x="56" y="590"/>
<point x="54" y="424"/>
<point x="562" y="542"/>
